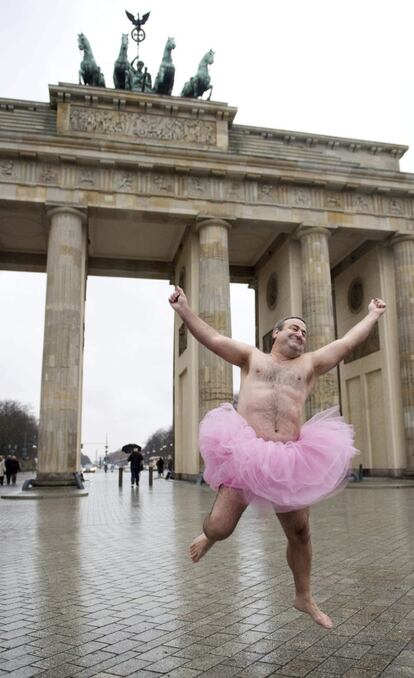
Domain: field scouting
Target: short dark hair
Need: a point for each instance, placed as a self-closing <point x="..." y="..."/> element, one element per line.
<point x="280" y="323"/>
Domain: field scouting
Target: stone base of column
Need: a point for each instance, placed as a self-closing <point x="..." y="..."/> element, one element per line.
<point x="408" y="472"/>
<point x="55" y="480"/>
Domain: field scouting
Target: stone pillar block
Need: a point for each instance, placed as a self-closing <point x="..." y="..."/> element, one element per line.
<point x="60" y="408"/>
<point x="318" y="309"/>
<point x="215" y="375"/>
<point x="403" y="249"/>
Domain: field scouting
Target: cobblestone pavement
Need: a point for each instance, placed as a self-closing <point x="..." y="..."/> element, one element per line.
<point x="102" y="586"/>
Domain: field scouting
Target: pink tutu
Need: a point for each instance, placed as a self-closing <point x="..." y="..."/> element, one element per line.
<point x="289" y="475"/>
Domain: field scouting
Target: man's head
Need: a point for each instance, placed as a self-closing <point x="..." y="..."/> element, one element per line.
<point x="289" y="336"/>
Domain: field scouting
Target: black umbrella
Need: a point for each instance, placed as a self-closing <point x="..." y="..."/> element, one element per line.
<point x="131" y="447"/>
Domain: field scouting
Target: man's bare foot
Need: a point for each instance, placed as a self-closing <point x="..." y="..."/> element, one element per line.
<point x="309" y="606"/>
<point x="199" y="547"/>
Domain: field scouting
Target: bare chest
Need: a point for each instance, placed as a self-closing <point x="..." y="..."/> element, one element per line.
<point x="271" y="375"/>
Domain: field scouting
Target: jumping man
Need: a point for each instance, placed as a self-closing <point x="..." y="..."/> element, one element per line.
<point x="260" y="453"/>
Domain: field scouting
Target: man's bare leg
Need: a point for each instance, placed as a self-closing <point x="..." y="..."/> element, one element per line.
<point x="299" y="556"/>
<point x="220" y="523"/>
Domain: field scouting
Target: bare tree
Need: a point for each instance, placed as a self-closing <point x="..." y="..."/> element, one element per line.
<point x="160" y="444"/>
<point x="18" y="431"/>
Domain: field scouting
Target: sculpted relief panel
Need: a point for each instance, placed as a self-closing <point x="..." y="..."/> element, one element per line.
<point x="199" y="187"/>
<point x="7" y="169"/>
<point x="143" y="126"/>
<point x="125" y="181"/>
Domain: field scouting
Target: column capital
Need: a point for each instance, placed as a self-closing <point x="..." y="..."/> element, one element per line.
<point x="202" y="222"/>
<point x="304" y="230"/>
<point x="397" y="238"/>
<point x="52" y="210"/>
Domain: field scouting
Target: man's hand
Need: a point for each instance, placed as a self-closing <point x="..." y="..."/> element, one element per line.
<point x="325" y="358"/>
<point x="377" y="306"/>
<point x="178" y="299"/>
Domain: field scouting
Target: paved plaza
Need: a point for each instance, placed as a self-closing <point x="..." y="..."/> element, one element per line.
<point x="102" y="586"/>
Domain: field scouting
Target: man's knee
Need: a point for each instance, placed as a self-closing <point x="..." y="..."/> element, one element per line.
<point x="217" y="530"/>
<point x="299" y="534"/>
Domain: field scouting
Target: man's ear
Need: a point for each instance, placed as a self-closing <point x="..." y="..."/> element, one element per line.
<point x="274" y="334"/>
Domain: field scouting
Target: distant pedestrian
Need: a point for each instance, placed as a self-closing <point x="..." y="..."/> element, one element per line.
<point x="2" y="470"/>
<point x="14" y="469"/>
<point x="170" y="470"/>
<point x="8" y="464"/>
<point x="160" y="467"/>
<point x="136" y="460"/>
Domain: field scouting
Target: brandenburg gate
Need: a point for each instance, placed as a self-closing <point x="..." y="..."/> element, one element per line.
<point x="118" y="183"/>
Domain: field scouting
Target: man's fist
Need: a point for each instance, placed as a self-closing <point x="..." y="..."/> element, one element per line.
<point x="377" y="305"/>
<point x="177" y="299"/>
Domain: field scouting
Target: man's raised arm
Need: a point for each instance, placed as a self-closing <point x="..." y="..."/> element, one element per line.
<point x="234" y="352"/>
<point x="330" y="355"/>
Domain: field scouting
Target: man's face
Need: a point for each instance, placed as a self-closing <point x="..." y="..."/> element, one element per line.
<point x="291" y="339"/>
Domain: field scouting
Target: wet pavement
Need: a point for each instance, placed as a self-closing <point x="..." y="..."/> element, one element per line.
<point x="102" y="585"/>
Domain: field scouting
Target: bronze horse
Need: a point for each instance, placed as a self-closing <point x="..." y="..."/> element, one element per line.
<point x="164" y="81"/>
<point x="89" y="71"/>
<point x="200" y="83"/>
<point x="121" y="64"/>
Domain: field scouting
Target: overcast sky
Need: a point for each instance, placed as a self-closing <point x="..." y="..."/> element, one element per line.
<point x="323" y="66"/>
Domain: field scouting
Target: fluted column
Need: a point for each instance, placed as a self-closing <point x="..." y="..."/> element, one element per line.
<point x="60" y="408"/>
<point x="403" y="248"/>
<point x="318" y="309"/>
<point x="215" y="375"/>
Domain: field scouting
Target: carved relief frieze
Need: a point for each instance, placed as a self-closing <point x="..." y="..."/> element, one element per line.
<point x="125" y="181"/>
<point x="396" y="206"/>
<point x="143" y="126"/>
<point x="8" y="169"/>
<point x="162" y="184"/>
<point x="333" y="200"/>
<point x="285" y="194"/>
<point x="234" y="190"/>
<point x="302" y="197"/>
<point x="362" y="203"/>
<point x="198" y="187"/>
<point x="87" y="177"/>
<point x="268" y="193"/>
<point x="143" y="180"/>
<point x="48" y="174"/>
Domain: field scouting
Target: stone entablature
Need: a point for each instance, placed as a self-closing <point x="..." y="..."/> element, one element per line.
<point x="63" y="173"/>
<point x="178" y="149"/>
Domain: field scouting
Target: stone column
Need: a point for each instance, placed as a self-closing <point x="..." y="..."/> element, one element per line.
<point x="215" y="375"/>
<point x="403" y="248"/>
<point x="60" y="408"/>
<point x="318" y="310"/>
